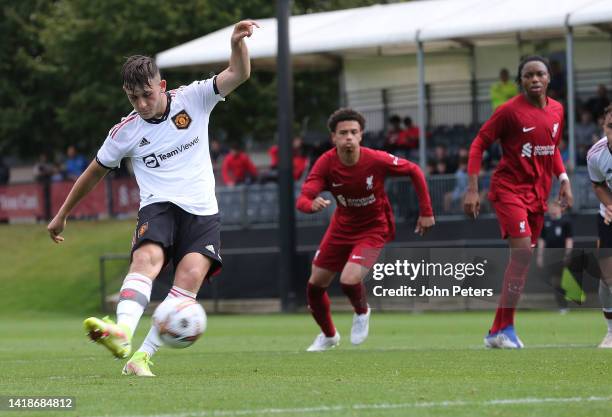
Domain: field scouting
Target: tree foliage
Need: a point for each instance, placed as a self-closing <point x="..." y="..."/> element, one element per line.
<point x="60" y="62"/>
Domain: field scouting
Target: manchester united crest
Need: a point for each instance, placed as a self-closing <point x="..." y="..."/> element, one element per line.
<point x="181" y="120"/>
<point x="143" y="229"/>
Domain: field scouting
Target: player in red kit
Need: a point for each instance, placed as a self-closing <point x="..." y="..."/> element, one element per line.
<point x="361" y="225"/>
<point x="529" y="127"/>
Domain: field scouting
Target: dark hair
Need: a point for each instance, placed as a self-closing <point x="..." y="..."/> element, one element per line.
<point x="395" y="119"/>
<point x="532" y="58"/>
<point x="342" y="115"/>
<point x="607" y="110"/>
<point x="408" y="121"/>
<point x="137" y="71"/>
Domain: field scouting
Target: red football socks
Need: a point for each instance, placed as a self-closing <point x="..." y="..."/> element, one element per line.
<point x="514" y="281"/>
<point x="356" y="293"/>
<point x="319" y="305"/>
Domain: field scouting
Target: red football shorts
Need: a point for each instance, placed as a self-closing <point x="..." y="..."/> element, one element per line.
<point x="516" y="221"/>
<point x="334" y="253"/>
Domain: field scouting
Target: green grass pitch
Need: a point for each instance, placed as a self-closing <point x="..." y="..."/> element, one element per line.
<point x="429" y="364"/>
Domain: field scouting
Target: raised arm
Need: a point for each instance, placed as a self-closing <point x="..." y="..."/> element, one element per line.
<point x="83" y="185"/>
<point x="239" y="69"/>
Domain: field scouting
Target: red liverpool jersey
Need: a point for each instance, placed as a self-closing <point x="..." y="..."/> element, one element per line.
<point x="529" y="138"/>
<point x="359" y="190"/>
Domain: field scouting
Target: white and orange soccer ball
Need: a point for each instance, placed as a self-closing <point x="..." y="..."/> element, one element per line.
<point x="180" y="322"/>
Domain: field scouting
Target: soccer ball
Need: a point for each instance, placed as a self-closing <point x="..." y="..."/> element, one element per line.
<point x="179" y="321"/>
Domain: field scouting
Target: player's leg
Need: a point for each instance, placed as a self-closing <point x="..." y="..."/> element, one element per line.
<point x="516" y="226"/>
<point x="319" y="306"/>
<point x="150" y="237"/>
<point x="351" y="281"/>
<point x="328" y="260"/>
<point x="189" y="276"/>
<point x="134" y="296"/>
<point x="196" y="257"/>
<point x="605" y="284"/>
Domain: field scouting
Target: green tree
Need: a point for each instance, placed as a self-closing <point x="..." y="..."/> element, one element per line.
<point x="60" y="62"/>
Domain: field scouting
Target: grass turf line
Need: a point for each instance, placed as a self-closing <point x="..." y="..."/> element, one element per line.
<point x="254" y="363"/>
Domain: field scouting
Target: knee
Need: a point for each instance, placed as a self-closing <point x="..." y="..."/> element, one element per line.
<point x="350" y="278"/>
<point x="147" y="261"/>
<point x="321" y="279"/>
<point x="191" y="274"/>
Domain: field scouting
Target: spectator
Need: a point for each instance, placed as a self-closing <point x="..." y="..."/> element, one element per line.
<point x="441" y="168"/>
<point x="237" y="167"/>
<point x="75" y="164"/>
<point x="503" y="90"/>
<point x="597" y="104"/>
<point x="43" y="169"/>
<point x="300" y="161"/>
<point x="586" y="133"/>
<point x="393" y="133"/>
<point x="558" y="81"/>
<point x="409" y="137"/>
<point x="454" y="198"/>
<point x="556" y="233"/>
<point x="441" y="160"/>
<point x="5" y="172"/>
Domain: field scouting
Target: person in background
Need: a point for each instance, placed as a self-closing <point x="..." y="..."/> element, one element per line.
<point x="393" y="134"/>
<point x="556" y="233"/>
<point x="300" y="161"/>
<point x="503" y="90"/>
<point x="409" y="137"/>
<point x="237" y="167"/>
<point x="75" y="164"/>
<point x="586" y="133"/>
<point x="451" y="199"/>
<point x="43" y="170"/>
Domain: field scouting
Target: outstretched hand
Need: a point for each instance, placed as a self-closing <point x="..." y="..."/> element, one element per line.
<point x="243" y="29"/>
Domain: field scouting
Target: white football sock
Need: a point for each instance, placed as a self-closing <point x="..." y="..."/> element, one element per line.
<point x="153" y="342"/>
<point x="133" y="299"/>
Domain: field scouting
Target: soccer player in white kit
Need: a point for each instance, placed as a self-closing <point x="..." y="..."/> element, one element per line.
<point x="599" y="162"/>
<point x="166" y="137"/>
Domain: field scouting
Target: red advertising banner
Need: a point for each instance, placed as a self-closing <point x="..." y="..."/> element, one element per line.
<point x="93" y="204"/>
<point x="21" y="201"/>
<point x="126" y="195"/>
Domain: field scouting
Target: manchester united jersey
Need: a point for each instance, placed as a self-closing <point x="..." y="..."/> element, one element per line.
<point x="599" y="163"/>
<point x="170" y="156"/>
<point x="529" y="137"/>
<point x="359" y="190"/>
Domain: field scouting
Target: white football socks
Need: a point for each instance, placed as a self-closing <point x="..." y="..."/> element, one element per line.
<point x="133" y="299"/>
<point x="152" y="342"/>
